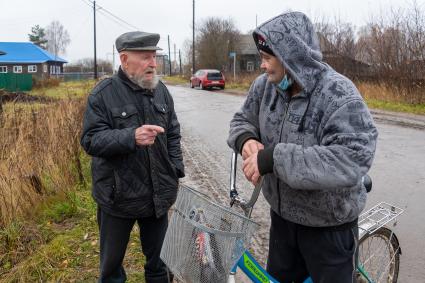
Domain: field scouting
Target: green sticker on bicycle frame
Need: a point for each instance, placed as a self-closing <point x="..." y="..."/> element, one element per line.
<point x="254" y="270"/>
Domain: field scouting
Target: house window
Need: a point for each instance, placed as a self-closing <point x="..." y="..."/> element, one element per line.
<point x="52" y="70"/>
<point x="58" y="69"/>
<point x="250" y="66"/>
<point x="3" y="69"/>
<point x="45" y="68"/>
<point x="32" y="69"/>
<point x="17" y="69"/>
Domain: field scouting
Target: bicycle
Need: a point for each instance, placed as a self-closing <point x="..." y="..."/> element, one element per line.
<point x="205" y="240"/>
<point x="379" y="248"/>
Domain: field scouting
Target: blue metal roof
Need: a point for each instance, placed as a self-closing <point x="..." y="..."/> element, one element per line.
<point x="2" y="53"/>
<point x="26" y="53"/>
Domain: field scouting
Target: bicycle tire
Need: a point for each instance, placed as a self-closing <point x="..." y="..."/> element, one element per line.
<point x="383" y="262"/>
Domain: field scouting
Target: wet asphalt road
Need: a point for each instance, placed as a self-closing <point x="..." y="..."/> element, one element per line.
<point x="398" y="171"/>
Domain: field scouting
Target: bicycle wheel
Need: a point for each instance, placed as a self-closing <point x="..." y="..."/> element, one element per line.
<point x="379" y="256"/>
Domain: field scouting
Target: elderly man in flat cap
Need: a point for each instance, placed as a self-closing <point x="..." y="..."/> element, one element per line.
<point x="131" y="131"/>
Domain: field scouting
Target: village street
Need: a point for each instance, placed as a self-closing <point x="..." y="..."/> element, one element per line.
<point x="398" y="172"/>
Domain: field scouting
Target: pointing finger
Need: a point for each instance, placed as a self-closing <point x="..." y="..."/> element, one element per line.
<point x="154" y="128"/>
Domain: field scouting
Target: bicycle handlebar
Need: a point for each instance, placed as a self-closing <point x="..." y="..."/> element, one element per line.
<point x="234" y="195"/>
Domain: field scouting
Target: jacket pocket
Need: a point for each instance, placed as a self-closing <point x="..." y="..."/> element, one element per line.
<point x="117" y="188"/>
<point x="104" y="194"/>
<point x="340" y="246"/>
<point x="342" y="205"/>
<point x="125" y="117"/>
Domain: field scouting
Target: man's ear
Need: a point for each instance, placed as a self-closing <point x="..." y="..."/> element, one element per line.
<point x="123" y="58"/>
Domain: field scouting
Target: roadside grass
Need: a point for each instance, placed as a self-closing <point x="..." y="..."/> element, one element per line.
<point x="396" y="106"/>
<point x="240" y="82"/>
<point x="48" y="229"/>
<point x="383" y="96"/>
<point x="243" y="86"/>
<point x="63" y="246"/>
<point x="18" y="107"/>
<point x="378" y="96"/>
<point x="70" y="89"/>
<point x="174" y="80"/>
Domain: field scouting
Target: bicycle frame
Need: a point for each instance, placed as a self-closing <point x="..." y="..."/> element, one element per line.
<point x="369" y="222"/>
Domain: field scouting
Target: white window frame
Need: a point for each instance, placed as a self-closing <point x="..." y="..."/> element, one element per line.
<point x="32" y="68"/>
<point x="17" y="69"/>
<point x="250" y="66"/>
<point x="45" y="68"/>
<point x="58" y="69"/>
<point x="52" y="70"/>
<point x="3" y="69"/>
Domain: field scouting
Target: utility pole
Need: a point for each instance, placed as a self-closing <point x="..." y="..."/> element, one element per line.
<point x="94" y="28"/>
<point x="175" y="59"/>
<point x="169" y="54"/>
<point x="234" y="68"/>
<point x="163" y="64"/>
<point x="113" y="58"/>
<point x="193" y="39"/>
<point x="180" y="61"/>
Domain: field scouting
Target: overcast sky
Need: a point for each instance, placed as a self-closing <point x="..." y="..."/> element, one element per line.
<point x="166" y="17"/>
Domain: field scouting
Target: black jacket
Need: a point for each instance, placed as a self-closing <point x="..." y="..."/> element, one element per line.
<point x="128" y="180"/>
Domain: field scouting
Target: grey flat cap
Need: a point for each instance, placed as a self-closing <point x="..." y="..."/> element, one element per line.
<point x="137" y="40"/>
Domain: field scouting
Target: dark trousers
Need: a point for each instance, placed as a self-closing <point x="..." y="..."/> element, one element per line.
<point x="296" y="252"/>
<point x="114" y="237"/>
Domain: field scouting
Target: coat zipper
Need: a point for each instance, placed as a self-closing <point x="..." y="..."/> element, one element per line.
<point x="280" y="140"/>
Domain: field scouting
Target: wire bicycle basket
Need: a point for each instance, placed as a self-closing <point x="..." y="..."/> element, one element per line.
<point x="204" y="240"/>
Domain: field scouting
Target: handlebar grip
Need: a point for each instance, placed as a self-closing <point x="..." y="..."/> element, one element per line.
<point x="367" y="182"/>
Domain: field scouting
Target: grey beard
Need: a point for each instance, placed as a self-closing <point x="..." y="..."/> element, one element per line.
<point x="144" y="83"/>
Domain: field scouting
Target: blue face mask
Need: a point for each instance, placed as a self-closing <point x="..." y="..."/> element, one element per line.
<point x="285" y="83"/>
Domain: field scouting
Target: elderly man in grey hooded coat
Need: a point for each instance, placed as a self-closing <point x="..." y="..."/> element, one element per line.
<point x="306" y="129"/>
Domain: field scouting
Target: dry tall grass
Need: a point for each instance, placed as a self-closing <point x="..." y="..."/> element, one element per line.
<point x="39" y="154"/>
<point x="384" y="95"/>
<point x="241" y="81"/>
<point x="391" y="93"/>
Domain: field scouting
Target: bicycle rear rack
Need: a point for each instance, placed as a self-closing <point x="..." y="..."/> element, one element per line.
<point x="378" y="216"/>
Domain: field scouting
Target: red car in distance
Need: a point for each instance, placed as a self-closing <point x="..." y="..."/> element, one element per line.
<point x="207" y="78"/>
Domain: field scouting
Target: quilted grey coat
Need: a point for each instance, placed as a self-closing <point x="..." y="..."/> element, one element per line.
<point x="131" y="181"/>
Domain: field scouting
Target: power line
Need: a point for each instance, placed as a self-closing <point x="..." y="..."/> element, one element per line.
<point x="88" y="3"/>
<point x="102" y="9"/>
<point x="116" y="19"/>
<point x="112" y="19"/>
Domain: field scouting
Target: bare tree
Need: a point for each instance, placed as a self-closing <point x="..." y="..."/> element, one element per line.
<point x="57" y="38"/>
<point x="216" y="38"/>
<point x="415" y="29"/>
<point x="337" y="37"/>
<point x="187" y="57"/>
<point x="392" y="42"/>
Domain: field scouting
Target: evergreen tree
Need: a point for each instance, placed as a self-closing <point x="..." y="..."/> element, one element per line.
<point x="37" y="36"/>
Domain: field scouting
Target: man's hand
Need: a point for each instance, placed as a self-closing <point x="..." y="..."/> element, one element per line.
<point x="146" y="134"/>
<point x="250" y="168"/>
<point x="250" y="147"/>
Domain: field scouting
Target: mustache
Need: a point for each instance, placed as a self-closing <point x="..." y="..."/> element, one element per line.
<point x="150" y="70"/>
